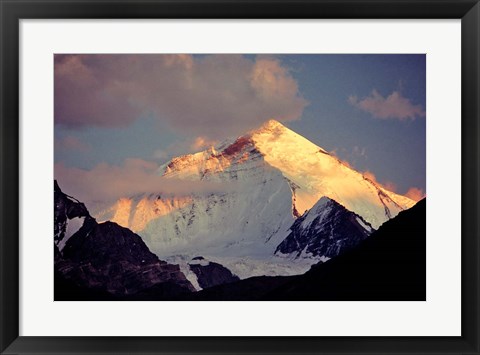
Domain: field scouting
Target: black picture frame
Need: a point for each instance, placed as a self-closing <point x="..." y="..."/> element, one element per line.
<point x="14" y="10"/>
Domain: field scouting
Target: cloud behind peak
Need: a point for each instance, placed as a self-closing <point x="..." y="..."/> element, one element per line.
<point x="211" y="96"/>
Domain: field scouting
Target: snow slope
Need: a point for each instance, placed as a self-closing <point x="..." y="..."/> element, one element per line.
<point x="317" y="174"/>
<point x="272" y="176"/>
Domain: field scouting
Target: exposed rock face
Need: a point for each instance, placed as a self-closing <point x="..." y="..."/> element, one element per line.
<point x="326" y="230"/>
<point x="211" y="274"/>
<point x="106" y="257"/>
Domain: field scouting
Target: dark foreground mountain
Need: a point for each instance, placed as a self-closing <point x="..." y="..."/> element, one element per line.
<point x="390" y="265"/>
<point x="101" y="261"/>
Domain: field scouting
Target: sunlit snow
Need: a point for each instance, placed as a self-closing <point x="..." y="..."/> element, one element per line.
<point x="271" y="173"/>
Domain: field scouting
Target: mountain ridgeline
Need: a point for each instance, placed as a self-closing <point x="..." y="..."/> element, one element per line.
<point x="286" y="221"/>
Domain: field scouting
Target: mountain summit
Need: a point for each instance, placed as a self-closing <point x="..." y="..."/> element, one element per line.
<point x="271" y="176"/>
<point x="311" y="171"/>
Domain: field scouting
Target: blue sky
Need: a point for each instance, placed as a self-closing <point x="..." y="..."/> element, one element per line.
<point x="367" y="109"/>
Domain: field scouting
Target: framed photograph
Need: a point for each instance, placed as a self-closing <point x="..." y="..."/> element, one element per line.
<point x="240" y="177"/>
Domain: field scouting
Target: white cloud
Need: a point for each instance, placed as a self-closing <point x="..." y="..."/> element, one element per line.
<point x="394" y="106"/>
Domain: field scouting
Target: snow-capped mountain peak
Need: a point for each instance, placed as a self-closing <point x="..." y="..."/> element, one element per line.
<point x="272" y="176"/>
<point x="310" y="170"/>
